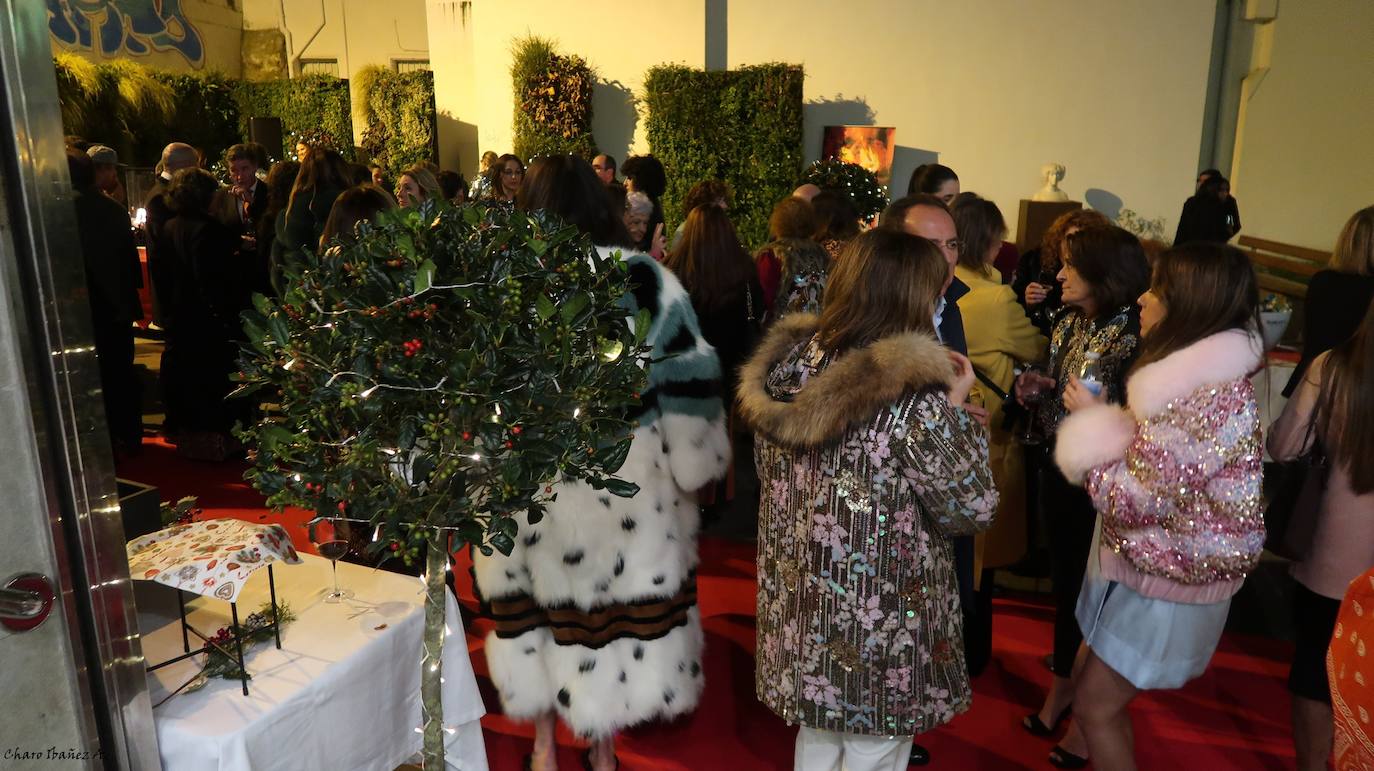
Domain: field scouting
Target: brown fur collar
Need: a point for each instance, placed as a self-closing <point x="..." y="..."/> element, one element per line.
<point x="852" y="390"/>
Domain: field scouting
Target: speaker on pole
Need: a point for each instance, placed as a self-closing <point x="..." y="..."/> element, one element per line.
<point x="267" y="132"/>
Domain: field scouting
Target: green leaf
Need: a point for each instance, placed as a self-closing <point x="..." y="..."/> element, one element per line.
<point x="279" y="331"/>
<point x="574" y="306"/>
<point x="621" y="488"/>
<point x="543" y="307"/>
<point x="424" y="276"/>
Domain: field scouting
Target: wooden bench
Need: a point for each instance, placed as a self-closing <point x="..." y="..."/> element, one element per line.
<point x="1283" y="268"/>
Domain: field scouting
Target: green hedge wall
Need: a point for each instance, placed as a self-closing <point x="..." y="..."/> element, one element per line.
<point x="310" y="104"/>
<point x="742" y="126"/>
<point x="137" y="110"/>
<point x="401" y="124"/>
<point x="553" y="101"/>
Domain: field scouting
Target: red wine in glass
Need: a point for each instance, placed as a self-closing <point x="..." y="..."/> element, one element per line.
<point x="334" y="551"/>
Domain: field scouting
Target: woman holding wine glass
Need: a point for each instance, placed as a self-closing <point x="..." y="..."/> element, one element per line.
<point x="1034" y="283"/>
<point x="1103" y="271"/>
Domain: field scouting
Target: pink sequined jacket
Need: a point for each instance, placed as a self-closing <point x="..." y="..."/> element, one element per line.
<point x="1175" y="475"/>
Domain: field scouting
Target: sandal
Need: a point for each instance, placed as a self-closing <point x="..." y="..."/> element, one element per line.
<point x="1062" y="758"/>
<point x="1036" y="727"/>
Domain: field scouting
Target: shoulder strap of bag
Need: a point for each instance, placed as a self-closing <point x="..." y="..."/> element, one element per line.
<point x="987" y="381"/>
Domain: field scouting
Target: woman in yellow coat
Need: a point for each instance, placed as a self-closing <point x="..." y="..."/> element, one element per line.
<point x="999" y="335"/>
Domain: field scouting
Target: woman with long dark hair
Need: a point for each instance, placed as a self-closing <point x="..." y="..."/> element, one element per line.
<point x="323" y="175"/>
<point x="1103" y="272"/>
<point x="357" y="204"/>
<point x="1333" y="407"/>
<point x="870" y="468"/>
<point x="1175" y="477"/>
<point x="837" y="221"/>
<point x="719" y="277"/>
<point x="594" y="610"/>
<point x="507" y="174"/>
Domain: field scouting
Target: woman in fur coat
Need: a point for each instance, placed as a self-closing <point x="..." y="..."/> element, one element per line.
<point x="1175" y="477"/>
<point x="868" y="468"/>
<point x="595" y="607"/>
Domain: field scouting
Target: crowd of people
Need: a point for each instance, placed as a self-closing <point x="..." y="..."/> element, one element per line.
<point x="923" y="404"/>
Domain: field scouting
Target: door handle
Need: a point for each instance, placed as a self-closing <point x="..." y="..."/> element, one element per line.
<point x="25" y="601"/>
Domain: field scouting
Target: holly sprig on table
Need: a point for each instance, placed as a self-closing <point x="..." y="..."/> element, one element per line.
<point x="437" y="370"/>
<point x="222" y="658"/>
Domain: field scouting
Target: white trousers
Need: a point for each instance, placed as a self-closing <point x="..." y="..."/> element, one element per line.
<point x="831" y="751"/>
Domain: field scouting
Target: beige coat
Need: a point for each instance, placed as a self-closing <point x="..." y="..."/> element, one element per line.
<point x="999" y="335"/>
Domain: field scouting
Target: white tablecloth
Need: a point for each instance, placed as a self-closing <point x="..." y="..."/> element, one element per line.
<point x="340" y="694"/>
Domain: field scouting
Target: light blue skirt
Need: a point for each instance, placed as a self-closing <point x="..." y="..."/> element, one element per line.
<point x="1152" y="643"/>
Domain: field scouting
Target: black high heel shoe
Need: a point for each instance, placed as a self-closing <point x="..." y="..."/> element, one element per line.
<point x="1062" y="758"/>
<point x="1036" y="727"/>
<point x="920" y="756"/>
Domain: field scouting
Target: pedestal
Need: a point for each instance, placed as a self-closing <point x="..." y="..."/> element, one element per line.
<point x="1036" y="217"/>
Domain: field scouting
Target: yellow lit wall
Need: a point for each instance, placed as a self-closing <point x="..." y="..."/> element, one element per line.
<point x="1113" y="90"/>
<point x="201" y="34"/>
<point x="620" y="40"/>
<point x="1305" y="146"/>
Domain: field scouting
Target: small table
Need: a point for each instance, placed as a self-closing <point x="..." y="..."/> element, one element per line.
<point x="343" y="692"/>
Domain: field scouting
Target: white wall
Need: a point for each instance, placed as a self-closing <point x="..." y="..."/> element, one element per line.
<point x="1305" y="148"/>
<point x="620" y="41"/>
<point x="356" y="33"/>
<point x="1114" y="91"/>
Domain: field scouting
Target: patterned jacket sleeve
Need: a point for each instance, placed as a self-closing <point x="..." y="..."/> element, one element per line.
<point x="945" y="457"/>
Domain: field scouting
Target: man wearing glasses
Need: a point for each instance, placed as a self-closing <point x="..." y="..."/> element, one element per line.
<point x="928" y="217"/>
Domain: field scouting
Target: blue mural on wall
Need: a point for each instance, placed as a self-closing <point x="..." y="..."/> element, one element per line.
<point x="125" y="27"/>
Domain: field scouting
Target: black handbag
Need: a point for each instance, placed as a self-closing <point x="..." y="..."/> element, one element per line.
<point x="1290" y="519"/>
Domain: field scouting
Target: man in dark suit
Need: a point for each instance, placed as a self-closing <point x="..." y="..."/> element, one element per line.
<point x="113" y="278"/>
<point x="241" y="206"/>
<point x="928" y="217"/>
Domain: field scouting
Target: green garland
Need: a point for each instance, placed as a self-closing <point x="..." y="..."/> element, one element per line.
<point x="851" y="179"/>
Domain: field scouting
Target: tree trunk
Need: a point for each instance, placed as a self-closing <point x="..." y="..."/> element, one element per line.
<point x="431" y="671"/>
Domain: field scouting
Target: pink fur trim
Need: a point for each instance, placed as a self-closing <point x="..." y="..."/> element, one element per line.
<point x="1221" y="358"/>
<point x="1091" y="437"/>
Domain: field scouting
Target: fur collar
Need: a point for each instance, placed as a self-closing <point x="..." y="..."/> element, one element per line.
<point x="1220" y="358"/>
<point x="852" y="390"/>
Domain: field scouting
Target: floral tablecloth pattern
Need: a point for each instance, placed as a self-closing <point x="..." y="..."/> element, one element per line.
<point x="212" y="557"/>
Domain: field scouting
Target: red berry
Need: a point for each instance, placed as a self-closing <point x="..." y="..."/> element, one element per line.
<point x="395" y="546"/>
<point x="467" y="436"/>
<point x="342" y="505"/>
<point x="515" y="430"/>
<point x="509" y="444"/>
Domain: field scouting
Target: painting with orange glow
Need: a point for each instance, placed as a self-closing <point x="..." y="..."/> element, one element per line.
<point x="868" y="146"/>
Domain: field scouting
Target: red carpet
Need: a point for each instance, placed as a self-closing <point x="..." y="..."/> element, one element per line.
<point x="1234" y="717"/>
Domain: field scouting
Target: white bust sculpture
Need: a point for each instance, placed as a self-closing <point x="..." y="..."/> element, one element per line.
<point x="1052" y="172"/>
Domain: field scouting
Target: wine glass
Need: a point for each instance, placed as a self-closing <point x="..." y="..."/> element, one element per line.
<point x="1047" y="279"/>
<point x="1031" y="396"/>
<point x="334" y="549"/>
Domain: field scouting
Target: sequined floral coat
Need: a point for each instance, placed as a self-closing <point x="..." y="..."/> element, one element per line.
<point x="866" y="471"/>
<point x="1175" y="474"/>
